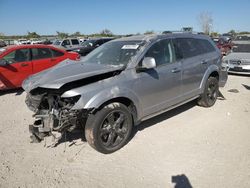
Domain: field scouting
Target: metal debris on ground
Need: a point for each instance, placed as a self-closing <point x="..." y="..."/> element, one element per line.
<point x="233" y="90"/>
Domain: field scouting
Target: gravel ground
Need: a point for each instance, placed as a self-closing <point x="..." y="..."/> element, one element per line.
<point x="187" y="147"/>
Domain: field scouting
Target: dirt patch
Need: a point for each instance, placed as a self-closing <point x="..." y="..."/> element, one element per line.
<point x="190" y="145"/>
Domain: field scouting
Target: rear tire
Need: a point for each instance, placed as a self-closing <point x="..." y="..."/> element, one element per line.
<point x="210" y="94"/>
<point x="109" y="129"/>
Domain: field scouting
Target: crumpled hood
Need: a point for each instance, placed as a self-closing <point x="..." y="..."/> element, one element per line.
<point x="65" y="72"/>
<point x="237" y="56"/>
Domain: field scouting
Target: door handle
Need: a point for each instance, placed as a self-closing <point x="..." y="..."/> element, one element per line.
<point x="24" y="64"/>
<point x="53" y="59"/>
<point x="175" y="70"/>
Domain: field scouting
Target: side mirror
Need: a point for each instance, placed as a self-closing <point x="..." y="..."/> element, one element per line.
<point x="148" y="63"/>
<point x="3" y="62"/>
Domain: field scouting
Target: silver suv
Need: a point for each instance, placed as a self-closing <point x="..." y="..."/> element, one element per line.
<point x="67" y="43"/>
<point x="122" y="83"/>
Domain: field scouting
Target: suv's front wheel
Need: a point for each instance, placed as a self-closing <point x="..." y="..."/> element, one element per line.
<point x="210" y="94"/>
<point x="109" y="128"/>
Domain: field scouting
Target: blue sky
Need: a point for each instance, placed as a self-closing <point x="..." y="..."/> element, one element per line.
<point x="121" y="17"/>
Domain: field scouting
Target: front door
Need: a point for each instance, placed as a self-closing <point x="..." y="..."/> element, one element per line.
<point x="195" y="59"/>
<point x="18" y="68"/>
<point x="42" y="59"/>
<point x="159" y="88"/>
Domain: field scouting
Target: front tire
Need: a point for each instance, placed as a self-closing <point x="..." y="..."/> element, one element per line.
<point x="210" y="94"/>
<point x="109" y="129"/>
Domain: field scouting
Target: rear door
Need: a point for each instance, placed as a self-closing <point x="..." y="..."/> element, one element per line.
<point x="19" y="67"/>
<point x="42" y="59"/>
<point x="193" y="65"/>
<point x="159" y="88"/>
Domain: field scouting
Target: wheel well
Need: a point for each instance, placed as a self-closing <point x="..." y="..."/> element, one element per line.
<point x="214" y="74"/>
<point x="123" y="100"/>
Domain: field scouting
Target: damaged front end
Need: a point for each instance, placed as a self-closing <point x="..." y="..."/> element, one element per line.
<point x="53" y="114"/>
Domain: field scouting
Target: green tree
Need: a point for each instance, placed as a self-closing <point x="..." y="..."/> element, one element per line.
<point x="244" y="32"/>
<point x="232" y="32"/>
<point x="1" y="35"/>
<point x="62" y="34"/>
<point x="76" y="34"/>
<point x="149" y="32"/>
<point x="32" y="35"/>
<point x="106" y="32"/>
<point x="214" y="34"/>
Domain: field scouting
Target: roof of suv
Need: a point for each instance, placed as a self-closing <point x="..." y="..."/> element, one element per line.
<point x="159" y="36"/>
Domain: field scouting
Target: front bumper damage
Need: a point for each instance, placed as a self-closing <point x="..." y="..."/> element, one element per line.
<point x="53" y="114"/>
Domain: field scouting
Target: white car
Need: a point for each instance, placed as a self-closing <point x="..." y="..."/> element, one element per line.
<point x="67" y="43"/>
<point x="36" y="41"/>
<point x="21" y="41"/>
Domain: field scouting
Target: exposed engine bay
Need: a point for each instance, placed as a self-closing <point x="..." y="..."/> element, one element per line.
<point x="53" y="113"/>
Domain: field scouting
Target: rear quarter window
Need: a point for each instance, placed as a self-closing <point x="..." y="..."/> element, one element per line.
<point x="190" y="47"/>
<point x="186" y="47"/>
<point x="57" y="53"/>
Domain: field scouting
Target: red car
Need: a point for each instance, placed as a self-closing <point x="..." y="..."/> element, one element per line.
<point x="18" y="62"/>
<point x="224" y="45"/>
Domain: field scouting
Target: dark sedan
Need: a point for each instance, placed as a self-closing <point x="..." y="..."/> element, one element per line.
<point x="89" y="45"/>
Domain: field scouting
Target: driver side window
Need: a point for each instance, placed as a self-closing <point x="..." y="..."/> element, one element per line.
<point x="20" y="55"/>
<point x="65" y="43"/>
<point x="162" y="52"/>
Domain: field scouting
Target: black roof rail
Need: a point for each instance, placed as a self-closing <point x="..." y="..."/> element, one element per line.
<point x="192" y="32"/>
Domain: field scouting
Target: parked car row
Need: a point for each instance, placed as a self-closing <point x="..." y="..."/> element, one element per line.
<point x="7" y="42"/>
<point x="236" y="53"/>
<point x="17" y="62"/>
<point x="73" y="44"/>
<point x="89" y="45"/>
<point x="238" y="61"/>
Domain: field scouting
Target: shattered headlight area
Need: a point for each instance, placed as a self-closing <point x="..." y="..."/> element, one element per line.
<point x="53" y="114"/>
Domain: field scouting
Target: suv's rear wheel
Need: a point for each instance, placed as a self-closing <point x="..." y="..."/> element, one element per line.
<point x="109" y="129"/>
<point x="210" y="94"/>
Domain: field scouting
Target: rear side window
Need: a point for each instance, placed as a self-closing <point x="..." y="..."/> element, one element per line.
<point x="190" y="47"/>
<point x="41" y="53"/>
<point x="75" y="42"/>
<point x="57" y="53"/>
<point x="186" y="47"/>
<point x="20" y="55"/>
